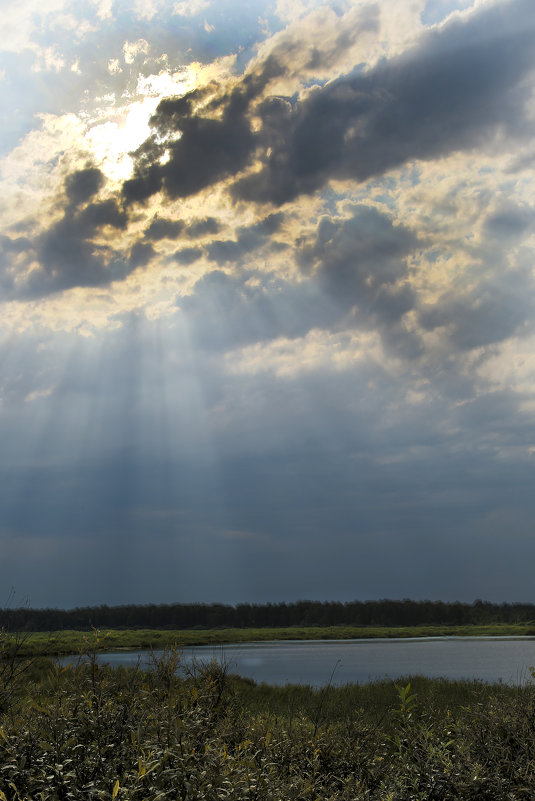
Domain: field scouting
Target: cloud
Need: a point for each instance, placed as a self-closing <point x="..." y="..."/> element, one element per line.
<point x="329" y="40"/>
<point x="104" y="9"/>
<point x="71" y="251"/>
<point x="227" y="311"/>
<point x="14" y="253"/>
<point x="190" y="8"/>
<point x="132" y="50"/>
<point x="356" y="257"/>
<point x="204" y="227"/>
<point x="460" y="87"/>
<point x="209" y="148"/>
<point x="141" y="254"/>
<point x="496" y="308"/>
<point x="17" y="29"/>
<point x="361" y="362"/>
<point x="162" y="228"/>
<point x="114" y="66"/>
<point x="360" y="263"/>
<point x="509" y="222"/>
<point x="81" y="185"/>
<point x="248" y="239"/>
<point x="187" y="256"/>
<point x="354" y="274"/>
<point x="69" y="257"/>
<point x="492" y="298"/>
<point x="18" y="244"/>
<point x="207" y="151"/>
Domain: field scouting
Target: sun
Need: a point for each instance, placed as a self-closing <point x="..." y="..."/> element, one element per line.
<point x="122" y="127"/>
<point x="112" y="141"/>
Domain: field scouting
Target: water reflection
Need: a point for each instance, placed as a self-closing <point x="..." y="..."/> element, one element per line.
<point x="491" y="659"/>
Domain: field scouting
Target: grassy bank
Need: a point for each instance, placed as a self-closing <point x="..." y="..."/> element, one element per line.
<point x="68" y="642"/>
<point x="94" y="732"/>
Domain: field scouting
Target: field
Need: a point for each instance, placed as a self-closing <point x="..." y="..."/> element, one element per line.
<point x="91" y="732"/>
<point x="70" y="642"/>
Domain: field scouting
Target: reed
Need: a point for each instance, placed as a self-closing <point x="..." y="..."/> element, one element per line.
<point x="87" y="731"/>
<point x="69" y="642"/>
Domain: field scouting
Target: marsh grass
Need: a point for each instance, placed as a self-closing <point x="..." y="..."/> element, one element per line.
<point x="69" y="641"/>
<point x="87" y="731"/>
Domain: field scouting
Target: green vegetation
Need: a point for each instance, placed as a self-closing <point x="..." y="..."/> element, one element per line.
<point x="91" y="732"/>
<point x="306" y="614"/>
<point x="69" y="642"/>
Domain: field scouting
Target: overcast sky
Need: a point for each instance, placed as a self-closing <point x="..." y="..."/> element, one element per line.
<point x="267" y="289"/>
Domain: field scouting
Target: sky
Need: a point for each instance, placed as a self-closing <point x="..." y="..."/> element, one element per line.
<point x="267" y="290"/>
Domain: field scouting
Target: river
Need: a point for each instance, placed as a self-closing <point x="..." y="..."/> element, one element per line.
<point x="314" y="662"/>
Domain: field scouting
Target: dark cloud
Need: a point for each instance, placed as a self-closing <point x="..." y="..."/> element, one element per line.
<point x="18" y="244"/>
<point x="67" y="252"/>
<point x="209" y="149"/>
<point x="459" y="87"/>
<point x="81" y="185"/>
<point x="140" y="254"/>
<point x="97" y="215"/>
<point x="248" y="239"/>
<point x="263" y="228"/>
<point x="216" y="138"/>
<point x="74" y="250"/>
<point x="162" y="228"/>
<point x="361" y="263"/>
<point x="187" y="255"/>
<point x="509" y="222"/>
<point x="455" y="90"/>
<point x="225" y="251"/>
<point x="494" y="310"/>
<point x="147" y="181"/>
<point x="226" y="311"/>
<point x="354" y="275"/>
<point x="208" y="225"/>
<point x="497" y="301"/>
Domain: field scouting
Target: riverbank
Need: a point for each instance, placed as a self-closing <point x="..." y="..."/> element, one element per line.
<point x="89" y="731"/>
<point x="61" y="643"/>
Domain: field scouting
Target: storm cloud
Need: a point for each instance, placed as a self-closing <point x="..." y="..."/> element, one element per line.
<point x="248" y="239"/>
<point x="496" y="309"/>
<point x="68" y="255"/>
<point x="215" y="139"/>
<point x="361" y="261"/>
<point x="268" y="301"/>
<point x="458" y="89"/>
<point x="462" y="86"/>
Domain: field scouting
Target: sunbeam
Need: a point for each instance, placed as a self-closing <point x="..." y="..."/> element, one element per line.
<point x="267" y="290"/>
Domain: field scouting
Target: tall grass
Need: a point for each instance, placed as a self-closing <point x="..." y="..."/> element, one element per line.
<point x="92" y="732"/>
<point x="68" y="642"/>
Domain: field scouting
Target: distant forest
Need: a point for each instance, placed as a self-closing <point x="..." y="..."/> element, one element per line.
<point x="301" y="613"/>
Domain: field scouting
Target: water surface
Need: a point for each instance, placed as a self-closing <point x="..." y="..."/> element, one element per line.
<point x="490" y="659"/>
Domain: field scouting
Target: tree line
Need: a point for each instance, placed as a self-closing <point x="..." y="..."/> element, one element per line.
<point x="383" y="612"/>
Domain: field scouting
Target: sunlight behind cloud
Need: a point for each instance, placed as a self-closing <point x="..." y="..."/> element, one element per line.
<point x="111" y="141"/>
<point x="114" y="140"/>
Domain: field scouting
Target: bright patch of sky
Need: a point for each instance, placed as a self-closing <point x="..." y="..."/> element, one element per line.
<point x="435" y="11"/>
